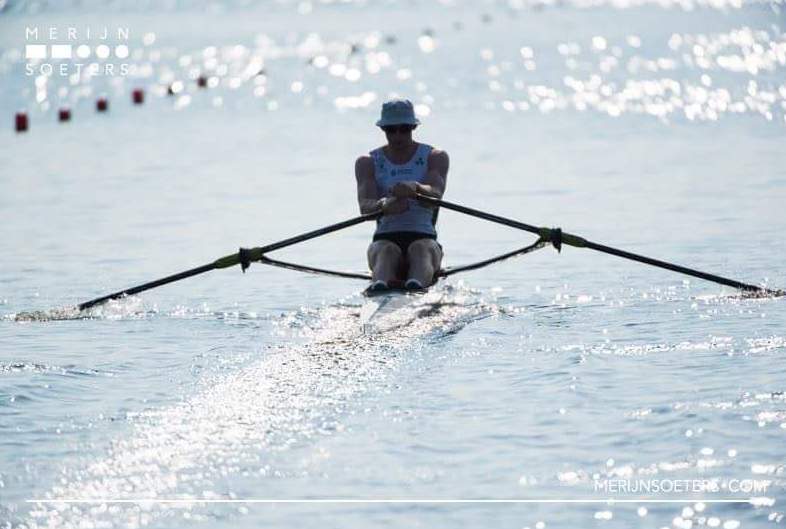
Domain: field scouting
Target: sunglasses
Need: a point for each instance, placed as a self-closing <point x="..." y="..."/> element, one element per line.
<point x="402" y="129"/>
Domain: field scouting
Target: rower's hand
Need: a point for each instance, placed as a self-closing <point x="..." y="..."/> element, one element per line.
<point x="405" y="189"/>
<point x="394" y="206"/>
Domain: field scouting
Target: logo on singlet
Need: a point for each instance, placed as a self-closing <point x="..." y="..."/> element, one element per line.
<point x="395" y="172"/>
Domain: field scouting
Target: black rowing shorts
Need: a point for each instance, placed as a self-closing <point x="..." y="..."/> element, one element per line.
<point x="403" y="239"/>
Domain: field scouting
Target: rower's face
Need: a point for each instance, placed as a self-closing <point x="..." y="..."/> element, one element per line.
<point x="398" y="135"/>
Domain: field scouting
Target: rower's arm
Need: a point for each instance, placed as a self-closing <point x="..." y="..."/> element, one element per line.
<point x="369" y="197"/>
<point x="436" y="179"/>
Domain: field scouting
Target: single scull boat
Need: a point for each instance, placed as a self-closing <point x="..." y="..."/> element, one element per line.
<point x="546" y="236"/>
<point x="379" y="306"/>
<point x="393" y="308"/>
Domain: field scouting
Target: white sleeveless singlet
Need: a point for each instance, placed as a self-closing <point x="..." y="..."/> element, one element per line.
<point x="416" y="218"/>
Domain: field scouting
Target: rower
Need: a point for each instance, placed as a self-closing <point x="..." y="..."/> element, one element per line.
<point x="404" y="250"/>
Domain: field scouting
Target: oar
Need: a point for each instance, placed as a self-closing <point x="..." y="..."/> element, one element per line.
<point x="244" y="258"/>
<point x="558" y="237"/>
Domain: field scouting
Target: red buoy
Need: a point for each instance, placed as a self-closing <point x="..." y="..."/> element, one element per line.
<point x="138" y="96"/>
<point x="21" y="122"/>
<point x="201" y="81"/>
<point x="102" y="105"/>
<point x="64" y="114"/>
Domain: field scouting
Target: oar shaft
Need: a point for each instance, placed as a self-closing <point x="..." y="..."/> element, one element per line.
<point x="479" y="214"/>
<point x="673" y="267"/>
<point x="147" y="286"/>
<point x="321" y="231"/>
<point x="254" y="254"/>
<point x="574" y="240"/>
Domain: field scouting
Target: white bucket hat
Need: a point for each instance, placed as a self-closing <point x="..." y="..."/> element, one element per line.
<point x="397" y="112"/>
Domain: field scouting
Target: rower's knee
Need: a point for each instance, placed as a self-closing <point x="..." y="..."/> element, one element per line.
<point x="425" y="250"/>
<point x="422" y="247"/>
<point x="384" y="250"/>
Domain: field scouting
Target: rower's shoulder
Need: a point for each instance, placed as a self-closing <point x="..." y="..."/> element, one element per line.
<point x="364" y="165"/>
<point x="437" y="153"/>
<point x="437" y="156"/>
<point x="368" y="157"/>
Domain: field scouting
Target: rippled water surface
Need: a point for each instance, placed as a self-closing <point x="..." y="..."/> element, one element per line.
<point x="657" y="127"/>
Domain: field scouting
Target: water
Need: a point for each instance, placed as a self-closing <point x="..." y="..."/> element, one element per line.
<point x="654" y="127"/>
